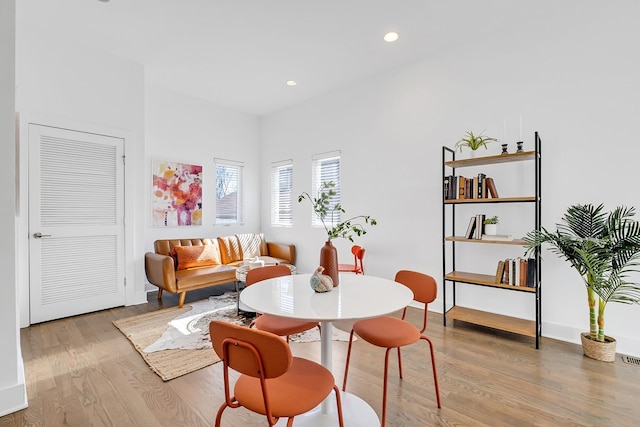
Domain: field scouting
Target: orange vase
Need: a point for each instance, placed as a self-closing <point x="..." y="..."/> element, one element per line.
<point x="329" y="260"/>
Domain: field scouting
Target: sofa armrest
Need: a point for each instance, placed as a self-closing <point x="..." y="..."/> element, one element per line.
<point x="282" y="250"/>
<point x="160" y="271"/>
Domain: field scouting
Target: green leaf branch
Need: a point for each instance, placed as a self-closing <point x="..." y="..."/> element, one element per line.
<point x="324" y="210"/>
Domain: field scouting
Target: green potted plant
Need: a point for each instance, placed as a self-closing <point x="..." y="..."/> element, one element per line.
<point x="491" y="226"/>
<point x="604" y="248"/>
<point x="325" y="211"/>
<point x="473" y="142"/>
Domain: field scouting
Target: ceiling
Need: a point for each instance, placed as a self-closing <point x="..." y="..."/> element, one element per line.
<point x="240" y="53"/>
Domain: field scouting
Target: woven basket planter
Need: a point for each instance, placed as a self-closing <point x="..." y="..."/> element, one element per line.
<point x="603" y="351"/>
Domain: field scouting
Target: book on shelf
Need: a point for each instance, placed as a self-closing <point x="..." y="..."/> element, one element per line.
<point x="531" y="273"/>
<point x="445" y="187"/>
<point x="479" y="226"/>
<point x="500" y="237"/>
<point x="481" y="186"/>
<point x="471" y="228"/>
<point x="461" y="186"/>
<point x="491" y="187"/>
<point x="499" y="271"/>
<point x="522" y="277"/>
<point x="507" y="268"/>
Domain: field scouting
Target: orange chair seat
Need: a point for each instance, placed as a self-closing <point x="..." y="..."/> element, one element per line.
<point x="386" y="331"/>
<point x="281" y="326"/>
<point x="306" y="380"/>
<point x="349" y="268"/>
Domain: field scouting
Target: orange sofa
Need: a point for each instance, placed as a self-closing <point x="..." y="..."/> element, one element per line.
<point x="182" y="265"/>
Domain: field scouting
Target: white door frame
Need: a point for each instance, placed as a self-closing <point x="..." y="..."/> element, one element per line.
<point x="133" y="234"/>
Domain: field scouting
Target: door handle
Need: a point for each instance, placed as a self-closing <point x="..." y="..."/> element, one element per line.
<point x="40" y="235"/>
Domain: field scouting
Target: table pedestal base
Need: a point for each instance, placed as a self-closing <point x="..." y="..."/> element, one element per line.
<point x="355" y="413"/>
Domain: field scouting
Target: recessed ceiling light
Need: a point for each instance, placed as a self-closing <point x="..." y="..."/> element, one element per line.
<point x="291" y="83"/>
<point x="104" y="1"/>
<point x="391" y="36"/>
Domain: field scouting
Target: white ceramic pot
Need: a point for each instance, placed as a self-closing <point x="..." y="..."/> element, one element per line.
<point x="491" y="229"/>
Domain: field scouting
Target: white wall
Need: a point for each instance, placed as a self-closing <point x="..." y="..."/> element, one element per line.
<point x="12" y="385"/>
<point x="68" y="85"/>
<point x="571" y="73"/>
<point x="189" y="130"/>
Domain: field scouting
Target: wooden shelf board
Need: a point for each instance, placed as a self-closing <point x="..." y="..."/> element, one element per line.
<point x="484" y="280"/>
<point x="517" y="242"/>
<point x="492" y="160"/>
<point x="492" y="320"/>
<point x="490" y="200"/>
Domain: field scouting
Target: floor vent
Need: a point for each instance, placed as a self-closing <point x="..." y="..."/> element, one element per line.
<point x="631" y="360"/>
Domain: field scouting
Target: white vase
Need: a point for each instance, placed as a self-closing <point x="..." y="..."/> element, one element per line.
<point x="491" y="229"/>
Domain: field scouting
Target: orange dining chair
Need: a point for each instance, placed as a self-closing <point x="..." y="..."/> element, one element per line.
<point x="390" y="332"/>
<point x="276" y="325"/>
<point x="358" y="255"/>
<point x="272" y="381"/>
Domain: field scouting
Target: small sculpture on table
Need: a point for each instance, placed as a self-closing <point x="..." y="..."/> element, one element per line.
<point x="321" y="282"/>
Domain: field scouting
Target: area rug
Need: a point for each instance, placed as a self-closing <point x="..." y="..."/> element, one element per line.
<point x="175" y="341"/>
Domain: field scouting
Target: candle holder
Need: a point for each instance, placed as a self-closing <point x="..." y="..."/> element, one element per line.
<point x="504" y="149"/>
<point x="519" y="144"/>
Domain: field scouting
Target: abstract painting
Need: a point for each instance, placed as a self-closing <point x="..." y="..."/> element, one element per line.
<point x="177" y="194"/>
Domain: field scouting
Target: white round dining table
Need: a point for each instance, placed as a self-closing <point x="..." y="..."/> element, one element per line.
<point x="356" y="297"/>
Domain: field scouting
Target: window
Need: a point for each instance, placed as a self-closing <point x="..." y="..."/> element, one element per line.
<point x="326" y="168"/>
<point x="228" y="191"/>
<point x="281" y="193"/>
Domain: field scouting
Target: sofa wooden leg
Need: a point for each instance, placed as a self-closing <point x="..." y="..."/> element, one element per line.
<point x="181" y="300"/>
<point x="159" y="293"/>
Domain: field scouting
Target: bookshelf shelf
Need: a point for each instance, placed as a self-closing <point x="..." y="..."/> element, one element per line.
<point x="516" y="242"/>
<point x="493" y="320"/>
<point x="498" y="200"/>
<point x="483" y="280"/>
<point x="453" y="278"/>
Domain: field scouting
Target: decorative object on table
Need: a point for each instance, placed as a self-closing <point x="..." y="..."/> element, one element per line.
<point x="255" y="263"/>
<point x="504" y="149"/>
<point x="491" y="226"/>
<point x="177" y="194"/>
<point x="605" y="249"/>
<point x="473" y="142"/>
<point x="325" y="209"/>
<point x="320" y="282"/>
<point x="519" y="145"/>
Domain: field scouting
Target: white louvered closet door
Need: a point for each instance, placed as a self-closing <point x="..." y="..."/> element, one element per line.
<point x="76" y="222"/>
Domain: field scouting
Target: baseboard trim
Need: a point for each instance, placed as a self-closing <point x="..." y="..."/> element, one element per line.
<point x="14" y="398"/>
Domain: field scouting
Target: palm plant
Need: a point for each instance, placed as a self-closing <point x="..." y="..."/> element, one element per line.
<point x="605" y="250"/>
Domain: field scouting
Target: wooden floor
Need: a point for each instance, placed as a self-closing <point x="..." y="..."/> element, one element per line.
<point x="81" y="371"/>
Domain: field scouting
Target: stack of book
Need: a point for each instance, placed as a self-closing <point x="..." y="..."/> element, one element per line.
<point x="477" y="187"/>
<point x="517" y="272"/>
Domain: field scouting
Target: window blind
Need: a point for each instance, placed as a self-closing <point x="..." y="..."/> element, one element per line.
<point x="282" y="193"/>
<point x="325" y="169"/>
<point x="228" y="191"/>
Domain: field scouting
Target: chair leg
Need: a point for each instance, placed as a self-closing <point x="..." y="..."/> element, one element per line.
<point x="433" y="365"/>
<point x="219" y="414"/>
<point x="346" y="368"/>
<point x="339" y="403"/>
<point x="399" y="363"/>
<point x="160" y="293"/>
<point x="181" y="300"/>
<point x="384" y="388"/>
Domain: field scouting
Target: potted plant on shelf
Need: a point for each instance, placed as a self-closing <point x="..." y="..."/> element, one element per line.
<point x="491" y="226"/>
<point x="604" y="248"/>
<point x="473" y="142"/>
<point x="325" y="210"/>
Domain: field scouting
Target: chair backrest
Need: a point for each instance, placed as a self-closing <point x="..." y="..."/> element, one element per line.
<point x="267" y="272"/>
<point x="250" y="351"/>
<point x="424" y="287"/>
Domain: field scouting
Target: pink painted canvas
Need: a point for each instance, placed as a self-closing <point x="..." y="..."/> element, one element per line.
<point x="177" y="194"/>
